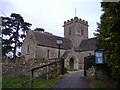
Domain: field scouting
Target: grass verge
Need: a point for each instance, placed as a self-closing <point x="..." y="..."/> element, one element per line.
<point x="38" y="83"/>
<point x="14" y="80"/>
<point x="100" y="83"/>
<point x="72" y="70"/>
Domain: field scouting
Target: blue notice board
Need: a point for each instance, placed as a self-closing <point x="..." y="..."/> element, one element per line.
<point x="99" y="57"/>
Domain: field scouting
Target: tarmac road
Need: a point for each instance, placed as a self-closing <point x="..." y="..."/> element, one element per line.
<point x="72" y="80"/>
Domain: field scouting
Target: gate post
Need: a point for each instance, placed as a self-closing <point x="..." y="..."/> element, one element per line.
<point x="31" y="77"/>
<point x="85" y="65"/>
<point x="62" y="66"/>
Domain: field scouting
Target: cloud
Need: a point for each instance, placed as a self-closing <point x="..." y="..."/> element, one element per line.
<point x="50" y="14"/>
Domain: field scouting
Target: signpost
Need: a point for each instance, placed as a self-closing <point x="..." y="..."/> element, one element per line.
<point x="59" y="42"/>
<point x="99" y="59"/>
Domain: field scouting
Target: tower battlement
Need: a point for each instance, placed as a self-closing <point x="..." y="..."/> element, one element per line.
<point x="75" y="19"/>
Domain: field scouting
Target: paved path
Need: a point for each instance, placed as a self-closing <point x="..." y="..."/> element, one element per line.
<point x="72" y="80"/>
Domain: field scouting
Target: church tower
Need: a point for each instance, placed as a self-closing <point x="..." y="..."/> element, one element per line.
<point x="76" y="30"/>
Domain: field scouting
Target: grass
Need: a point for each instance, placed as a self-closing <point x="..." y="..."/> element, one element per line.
<point x="100" y="83"/>
<point x="14" y="80"/>
<point x="0" y="78"/>
<point x="72" y="70"/>
<point x="38" y="83"/>
<point x="42" y="83"/>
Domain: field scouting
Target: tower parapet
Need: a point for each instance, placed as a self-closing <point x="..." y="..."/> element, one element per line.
<point x="75" y="19"/>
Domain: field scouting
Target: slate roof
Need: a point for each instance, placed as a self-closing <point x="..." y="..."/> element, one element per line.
<point x="65" y="54"/>
<point x="88" y="44"/>
<point x="48" y="40"/>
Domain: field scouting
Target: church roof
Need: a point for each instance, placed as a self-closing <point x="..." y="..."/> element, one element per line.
<point x="88" y="44"/>
<point x="65" y="54"/>
<point x="49" y="40"/>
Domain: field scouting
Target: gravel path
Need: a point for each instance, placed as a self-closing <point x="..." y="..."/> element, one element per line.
<point x="72" y="80"/>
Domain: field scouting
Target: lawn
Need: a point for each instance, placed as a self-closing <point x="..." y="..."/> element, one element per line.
<point x="38" y="83"/>
<point x="14" y="80"/>
<point x="42" y="83"/>
<point x="100" y="83"/>
<point x="72" y="69"/>
<point x="0" y="78"/>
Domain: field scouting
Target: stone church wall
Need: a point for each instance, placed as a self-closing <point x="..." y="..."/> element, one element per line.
<point x="28" y="47"/>
<point x="48" y="52"/>
<point x="84" y="54"/>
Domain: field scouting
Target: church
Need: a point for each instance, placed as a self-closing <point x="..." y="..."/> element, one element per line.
<point x="74" y="46"/>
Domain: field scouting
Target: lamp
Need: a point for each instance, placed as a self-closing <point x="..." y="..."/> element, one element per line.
<point x="59" y="42"/>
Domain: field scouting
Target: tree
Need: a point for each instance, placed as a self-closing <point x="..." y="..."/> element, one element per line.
<point x="108" y="36"/>
<point x="15" y="28"/>
<point x="6" y="31"/>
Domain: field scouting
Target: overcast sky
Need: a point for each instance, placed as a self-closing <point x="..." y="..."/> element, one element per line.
<point x="51" y="14"/>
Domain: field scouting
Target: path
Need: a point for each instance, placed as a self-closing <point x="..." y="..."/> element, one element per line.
<point x="72" y="80"/>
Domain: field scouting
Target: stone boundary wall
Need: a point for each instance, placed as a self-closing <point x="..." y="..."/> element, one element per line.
<point x="19" y="65"/>
<point x="100" y="73"/>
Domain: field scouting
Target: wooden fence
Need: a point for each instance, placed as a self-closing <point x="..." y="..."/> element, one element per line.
<point x="57" y="67"/>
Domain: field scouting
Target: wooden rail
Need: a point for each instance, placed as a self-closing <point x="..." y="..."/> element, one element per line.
<point x="58" y="66"/>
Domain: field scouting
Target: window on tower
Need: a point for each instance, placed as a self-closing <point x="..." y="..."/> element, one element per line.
<point x="82" y="32"/>
<point x="69" y="31"/>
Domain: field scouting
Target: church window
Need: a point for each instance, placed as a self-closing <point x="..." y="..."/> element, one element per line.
<point x="79" y="29"/>
<point x="48" y="53"/>
<point x="30" y="36"/>
<point x="69" y="31"/>
<point x="82" y="32"/>
<point x="28" y="49"/>
<point x="90" y="54"/>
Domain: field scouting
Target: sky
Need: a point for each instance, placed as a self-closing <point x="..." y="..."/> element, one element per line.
<point x="51" y="14"/>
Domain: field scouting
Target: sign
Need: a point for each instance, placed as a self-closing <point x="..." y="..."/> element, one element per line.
<point x="99" y="57"/>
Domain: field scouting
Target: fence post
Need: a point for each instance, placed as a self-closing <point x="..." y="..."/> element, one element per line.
<point x="47" y="75"/>
<point x="31" y="77"/>
<point x="58" y="66"/>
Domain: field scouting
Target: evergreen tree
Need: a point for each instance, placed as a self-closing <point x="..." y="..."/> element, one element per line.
<point x="108" y="36"/>
<point x="15" y="29"/>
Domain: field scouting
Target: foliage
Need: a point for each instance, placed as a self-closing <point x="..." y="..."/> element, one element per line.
<point x="108" y="35"/>
<point x="100" y="83"/>
<point x="13" y="33"/>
